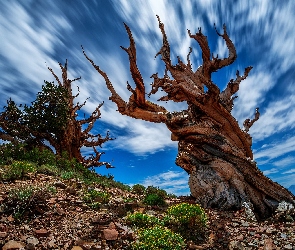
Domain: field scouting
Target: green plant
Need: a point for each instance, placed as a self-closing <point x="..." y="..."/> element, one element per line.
<point x="18" y="169"/>
<point x="52" y="189"/>
<point x="158" y="238"/>
<point x="93" y="196"/>
<point x="138" y="189"/>
<point x="66" y="175"/>
<point x="142" y="220"/>
<point x="155" y="190"/>
<point x="189" y="220"/>
<point x="154" y="200"/>
<point x="48" y="169"/>
<point x="26" y="201"/>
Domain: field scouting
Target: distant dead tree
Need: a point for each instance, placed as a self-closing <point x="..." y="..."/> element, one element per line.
<point x="52" y="118"/>
<point x="212" y="148"/>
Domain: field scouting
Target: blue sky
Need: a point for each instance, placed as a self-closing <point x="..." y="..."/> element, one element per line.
<point x="36" y="34"/>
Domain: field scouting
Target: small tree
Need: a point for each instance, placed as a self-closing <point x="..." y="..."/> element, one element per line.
<point x="52" y="118"/>
<point x="212" y="148"/>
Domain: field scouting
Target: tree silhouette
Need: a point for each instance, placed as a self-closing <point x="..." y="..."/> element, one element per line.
<point x="52" y="118"/>
<point x="212" y="148"/>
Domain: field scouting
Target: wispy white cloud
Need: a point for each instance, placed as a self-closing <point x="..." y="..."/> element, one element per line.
<point x="25" y="47"/>
<point x="290" y="171"/>
<point x="275" y="150"/>
<point x="285" y="162"/>
<point x="144" y="138"/>
<point x="252" y="93"/>
<point x="271" y="171"/>
<point x="175" y="182"/>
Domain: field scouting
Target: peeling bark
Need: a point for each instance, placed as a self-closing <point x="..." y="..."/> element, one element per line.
<point x="212" y="148"/>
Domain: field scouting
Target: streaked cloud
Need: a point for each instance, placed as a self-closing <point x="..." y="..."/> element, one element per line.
<point x="275" y="150"/>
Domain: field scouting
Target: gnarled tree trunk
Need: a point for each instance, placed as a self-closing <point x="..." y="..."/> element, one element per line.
<point x="212" y="148"/>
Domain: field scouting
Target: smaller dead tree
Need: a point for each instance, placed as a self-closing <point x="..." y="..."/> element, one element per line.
<point x="52" y="118"/>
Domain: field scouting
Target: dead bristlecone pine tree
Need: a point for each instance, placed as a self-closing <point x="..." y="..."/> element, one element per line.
<point x="212" y="148"/>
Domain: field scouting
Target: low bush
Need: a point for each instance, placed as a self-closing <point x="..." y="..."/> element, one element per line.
<point x="155" y="190"/>
<point x="154" y="200"/>
<point x="158" y="238"/>
<point x="187" y="219"/>
<point x="138" y="189"/>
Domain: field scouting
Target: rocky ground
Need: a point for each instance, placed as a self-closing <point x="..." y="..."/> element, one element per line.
<point x="62" y="220"/>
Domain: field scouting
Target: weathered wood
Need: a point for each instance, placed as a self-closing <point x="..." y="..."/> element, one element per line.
<point x="212" y="148"/>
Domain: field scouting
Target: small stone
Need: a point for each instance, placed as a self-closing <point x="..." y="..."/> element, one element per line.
<point x="13" y="245"/>
<point x="3" y="234"/>
<point x="60" y="184"/>
<point x="30" y="246"/>
<point x="112" y="225"/>
<point x="87" y="246"/>
<point x="32" y="240"/>
<point x="288" y="246"/>
<point x="10" y="218"/>
<point x="118" y="200"/>
<point x="110" y="234"/>
<point x="233" y="245"/>
<point x="240" y="237"/>
<point x="268" y="244"/>
<point x="284" y="236"/>
<point x="71" y="190"/>
<point x="52" y="201"/>
<point x="51" y="244"/>
<point x="96" y="247"/>
<point x="76" y="248"/>
<point x="245" y="224"/>
<point x="41" y="232"/>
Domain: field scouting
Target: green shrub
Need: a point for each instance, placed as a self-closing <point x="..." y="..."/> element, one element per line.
<point x="187" y="219"/>
<point x="154" y="200"/>
<point x="158" y="238"/>
<point x="18" y="169"/>
<point x="155" y="190"/>
<point x="142" y="220"/>
<point x="138" y="189"/>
